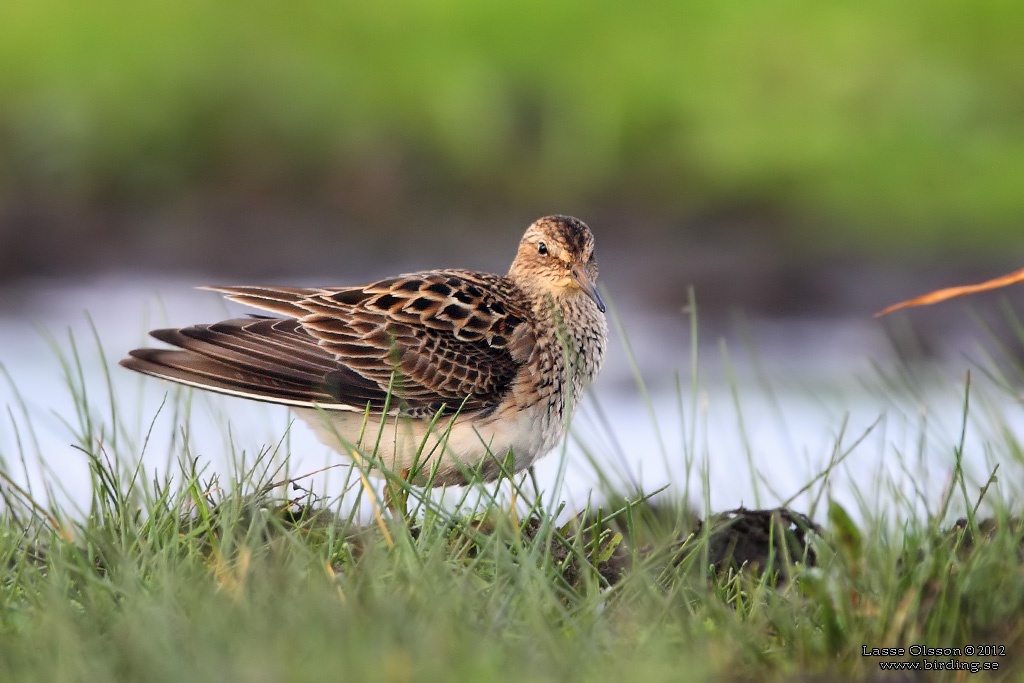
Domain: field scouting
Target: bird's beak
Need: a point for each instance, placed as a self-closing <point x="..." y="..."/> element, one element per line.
<point x="579" y="275"/>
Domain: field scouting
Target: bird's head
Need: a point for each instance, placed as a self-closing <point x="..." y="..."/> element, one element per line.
<point x="556" y="257"/>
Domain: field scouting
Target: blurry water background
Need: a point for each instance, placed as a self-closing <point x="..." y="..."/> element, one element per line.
<point x="800" y="166"/>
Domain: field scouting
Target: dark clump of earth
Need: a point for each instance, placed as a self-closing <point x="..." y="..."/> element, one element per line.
<point x="758" y="539"/>
<point x="576" y="549"/>
<point x="738" y="541"/>
<point x="987" y="529"/>
<point x="961" y="539"/>
<point x="608" y="556"/>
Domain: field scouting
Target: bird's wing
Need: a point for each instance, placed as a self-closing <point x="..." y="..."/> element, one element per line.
<point x="452" y="338"/>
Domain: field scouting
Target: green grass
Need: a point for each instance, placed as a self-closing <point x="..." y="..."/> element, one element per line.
<point x="875" y="126"/>
<point x="187" y="576"/>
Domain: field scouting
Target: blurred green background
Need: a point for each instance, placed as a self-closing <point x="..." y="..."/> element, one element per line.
<point x="253" y="136"/>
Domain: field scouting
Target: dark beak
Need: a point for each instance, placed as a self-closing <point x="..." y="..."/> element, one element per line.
<point x="579" y="274"/>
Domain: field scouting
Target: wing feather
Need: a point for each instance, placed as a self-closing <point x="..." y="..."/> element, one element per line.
<point x="454" y="338"/>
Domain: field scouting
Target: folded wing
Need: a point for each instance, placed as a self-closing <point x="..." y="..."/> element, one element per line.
<point x="443" y="338"/>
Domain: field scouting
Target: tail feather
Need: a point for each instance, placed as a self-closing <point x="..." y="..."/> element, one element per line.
<point x="267" y="359"/>
<point x="185" y="367"/>
<point x="280" y="300"/>
<point x="253" y="344"/>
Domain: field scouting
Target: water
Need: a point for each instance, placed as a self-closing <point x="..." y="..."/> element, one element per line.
<point x="760" y="427"/>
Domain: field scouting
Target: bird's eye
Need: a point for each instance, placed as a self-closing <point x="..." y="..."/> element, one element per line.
<point x="542" y="248"/>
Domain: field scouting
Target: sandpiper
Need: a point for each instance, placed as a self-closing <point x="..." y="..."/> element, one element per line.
<point x="446" y="375"/>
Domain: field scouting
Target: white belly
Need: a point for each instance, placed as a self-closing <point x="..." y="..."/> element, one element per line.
<point x="444" y="454"/>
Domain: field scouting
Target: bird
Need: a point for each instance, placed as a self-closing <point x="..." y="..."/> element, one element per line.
<point x="445" y="376"/>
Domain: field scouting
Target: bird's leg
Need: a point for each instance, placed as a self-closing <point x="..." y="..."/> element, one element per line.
<point x="509" y="469"/>
<point x="512" y="506"/>
<point x="396" y="496"/>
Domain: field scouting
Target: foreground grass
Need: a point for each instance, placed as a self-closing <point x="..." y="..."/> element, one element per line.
<point x="251" y="590"/>
<point x="188" y="578"/>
